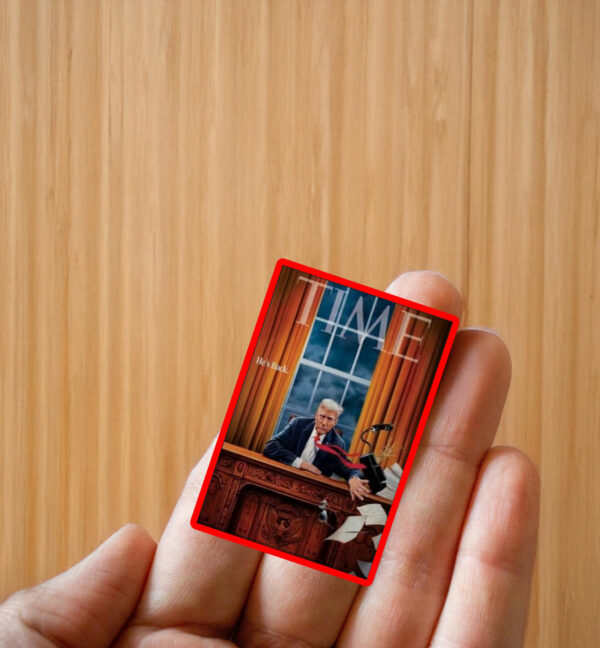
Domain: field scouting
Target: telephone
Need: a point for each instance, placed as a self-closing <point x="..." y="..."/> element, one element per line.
<point x="372" y="470"/>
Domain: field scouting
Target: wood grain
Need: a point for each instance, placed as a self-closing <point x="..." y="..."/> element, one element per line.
<point x="158" y="157"/>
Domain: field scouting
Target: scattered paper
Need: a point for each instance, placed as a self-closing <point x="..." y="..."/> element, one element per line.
<point x="376" y="540"/>
<point x="349" y="530"/>
<point x="364" y="567"/>
<point x="373" y="513"/>
<point x="392" y="481"/>
<point x="396" y="470"/>
<point x="387" y="493"/>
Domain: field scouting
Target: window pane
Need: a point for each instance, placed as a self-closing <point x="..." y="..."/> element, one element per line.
<point x="285" y="417"/>
<point x="367" y="359"/>
<point x="358" y="305"/>
<point x="301" y="390"/>
<point x="317" y="343"/>
<point x="330" y="386"/>
<point x="343" y="351"/>
<point x="381" y="306"/>
<point x="329" y="298"/>
<point x="353" y="403"/>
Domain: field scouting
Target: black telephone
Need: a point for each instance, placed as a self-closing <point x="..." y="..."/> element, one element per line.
<point x="372" y="470"/>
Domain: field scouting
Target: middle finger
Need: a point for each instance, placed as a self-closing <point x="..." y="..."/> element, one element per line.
<point x="418" y="558"/>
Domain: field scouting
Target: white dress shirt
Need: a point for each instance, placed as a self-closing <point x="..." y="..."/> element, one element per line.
<point x="310" y="450"/>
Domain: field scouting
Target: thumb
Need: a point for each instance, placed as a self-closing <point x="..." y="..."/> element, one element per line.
<point x="88" y="604"/>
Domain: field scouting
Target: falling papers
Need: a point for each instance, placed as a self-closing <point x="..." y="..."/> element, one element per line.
<point x="349" y="530"/>
<point x="369" y="514"/>
<point x="392" y="481"/>
<point x="373" y="514"/>
<point x="365" y="567"/>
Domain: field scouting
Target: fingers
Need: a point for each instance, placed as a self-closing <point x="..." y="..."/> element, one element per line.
<point x="291" y="603"/>
<point x="310" y="468"/>
<point x="294" y="605"/>
<point x="197" y="581"/>
<point x="428" y="288"/>
<point x="89" y="603"/>
<point x="416" y="566"/>
<point x="358" y="488"/>
<point x="489" y="593"/>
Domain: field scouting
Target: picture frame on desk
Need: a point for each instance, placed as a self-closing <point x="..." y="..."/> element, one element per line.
<point x="350" y="369"/>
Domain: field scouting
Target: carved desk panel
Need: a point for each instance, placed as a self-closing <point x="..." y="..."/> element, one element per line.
<point x="276" y="505"/>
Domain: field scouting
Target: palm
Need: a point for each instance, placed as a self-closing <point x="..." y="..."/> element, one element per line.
<point x="456" y="568"/>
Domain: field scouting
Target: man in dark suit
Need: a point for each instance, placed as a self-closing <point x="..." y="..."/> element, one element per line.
<point x="295" y="445"/>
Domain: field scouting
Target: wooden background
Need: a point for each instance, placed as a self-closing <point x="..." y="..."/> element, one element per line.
<point x="158" y="157"/>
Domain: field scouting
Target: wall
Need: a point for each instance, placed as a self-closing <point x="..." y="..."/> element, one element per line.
<point x="158" y="157"/>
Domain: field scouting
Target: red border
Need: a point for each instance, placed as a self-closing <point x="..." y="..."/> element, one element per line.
<point x="419" y="433"/>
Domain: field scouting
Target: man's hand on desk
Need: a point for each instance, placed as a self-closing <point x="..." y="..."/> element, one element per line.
<point x="310" y="468"/>
<point x="455" y="571"/>
<point x="359" y="488"/>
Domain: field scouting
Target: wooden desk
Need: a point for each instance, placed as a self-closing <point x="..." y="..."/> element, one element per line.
<point x="276" y="505"/>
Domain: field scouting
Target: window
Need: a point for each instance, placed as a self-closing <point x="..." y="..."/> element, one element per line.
<point x="340" y="356"/>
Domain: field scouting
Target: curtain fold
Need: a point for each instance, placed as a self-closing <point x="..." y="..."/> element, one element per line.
<point x="399" y="386"/>
<point x="281" y="340"/>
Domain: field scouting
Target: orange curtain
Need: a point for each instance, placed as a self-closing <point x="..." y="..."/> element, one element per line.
<point x="399" y="387"/>
<point x="281" y="340"/>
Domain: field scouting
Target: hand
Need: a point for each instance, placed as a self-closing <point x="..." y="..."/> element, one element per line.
<point x="310" y="467"/>
<point x="89" y="604"/>
<point x="358" y="488"/>
<point x="456" y="569"/>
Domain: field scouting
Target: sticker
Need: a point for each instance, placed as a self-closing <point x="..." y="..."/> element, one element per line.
<point x="324" y="422"/>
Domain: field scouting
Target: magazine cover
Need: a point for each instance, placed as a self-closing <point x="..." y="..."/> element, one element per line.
<point x="324" y="422"/>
